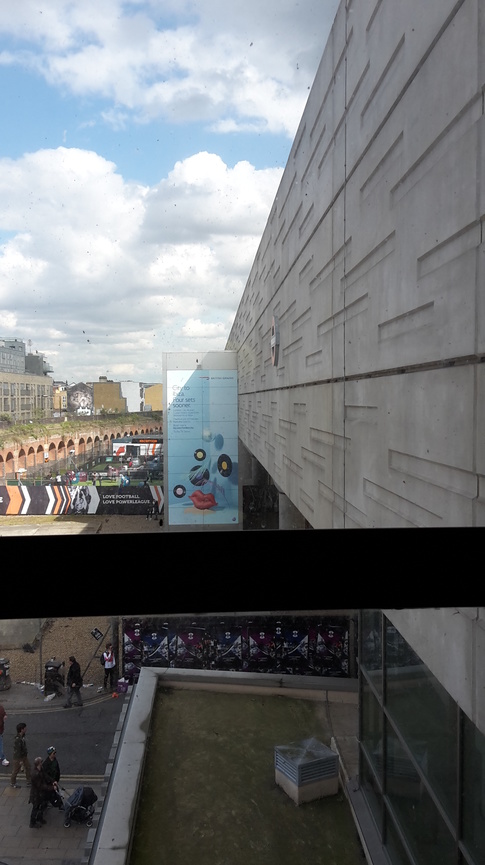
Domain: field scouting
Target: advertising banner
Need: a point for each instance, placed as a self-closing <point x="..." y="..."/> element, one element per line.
<point x="58" y="499"/>
<point x="202" y="447"/>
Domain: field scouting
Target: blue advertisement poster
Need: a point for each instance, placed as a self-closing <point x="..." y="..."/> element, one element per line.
<point x="202" y="448"/>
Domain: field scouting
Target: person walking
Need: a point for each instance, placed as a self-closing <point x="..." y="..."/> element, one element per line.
<point x="20" y="756"/>
<point x="41" y="792"/>
<point x="52" y="772"/>
<point x="109" y="666"/>
<point x="74" y="683"/>
<point x="3" y="715"/>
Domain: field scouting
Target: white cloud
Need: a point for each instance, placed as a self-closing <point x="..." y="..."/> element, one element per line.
<point x="197" y="329"/>
<point x="234" y="66"/>
<point x="100" y="266"/>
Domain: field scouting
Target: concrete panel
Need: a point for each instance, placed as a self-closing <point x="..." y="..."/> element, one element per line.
<point x="409" y="459"/>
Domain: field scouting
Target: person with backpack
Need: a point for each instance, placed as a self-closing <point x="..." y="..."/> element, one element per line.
<point x="74" y="683"/>
<point x="109" y="663"/>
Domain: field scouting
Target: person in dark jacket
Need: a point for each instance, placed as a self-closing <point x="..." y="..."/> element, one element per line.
<point x="40" y="792"/>
<point x="20" y="757"/>
<point x="52" y="771"/>
<point x="3" y="758"/>
<point x="74" y="683"/>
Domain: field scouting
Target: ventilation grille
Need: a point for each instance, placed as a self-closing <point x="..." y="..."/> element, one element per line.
<point x="306" y="762"/>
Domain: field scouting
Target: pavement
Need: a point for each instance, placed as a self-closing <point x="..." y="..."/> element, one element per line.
<point x="53" y="843"/>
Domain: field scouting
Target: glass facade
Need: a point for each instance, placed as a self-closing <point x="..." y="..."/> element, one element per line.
<point x="422" y="761"/>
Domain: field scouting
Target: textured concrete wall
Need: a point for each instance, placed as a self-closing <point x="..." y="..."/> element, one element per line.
<point x="15" y="633"/>
<point x="372" y="262"/>
<point x="451" y="642"/>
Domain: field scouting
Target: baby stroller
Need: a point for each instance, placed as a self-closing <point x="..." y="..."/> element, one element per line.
<point x="80" y="806"/>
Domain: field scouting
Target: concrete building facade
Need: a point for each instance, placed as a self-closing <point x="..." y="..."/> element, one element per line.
<point x="24" y="396"/>
<point x="25" y="388"/>
<point x="361" y="331"/>
<point x="107" y="396"/>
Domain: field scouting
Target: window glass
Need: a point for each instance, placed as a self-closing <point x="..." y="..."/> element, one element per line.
<point x="372" y="793"/>
<point x="425" y="715"/>
<point x="474" y="790"/>
<point x="371" y="732"/>
<point x="371" y="646"/>
<point x="425" y="831"/>
<point x="394" y="846"/>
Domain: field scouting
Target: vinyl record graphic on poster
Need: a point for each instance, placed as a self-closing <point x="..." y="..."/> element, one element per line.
<point x="202" y="447"/>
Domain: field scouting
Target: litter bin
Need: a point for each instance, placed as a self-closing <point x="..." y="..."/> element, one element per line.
<point x="53" y="678"/>
<point x="5" y="681"/>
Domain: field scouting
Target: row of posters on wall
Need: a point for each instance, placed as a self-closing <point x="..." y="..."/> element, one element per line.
<point x="304" y="646"/>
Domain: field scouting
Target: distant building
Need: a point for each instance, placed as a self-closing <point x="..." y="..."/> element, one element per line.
<point x="37" y="364"/>
<point x="12" y="355"/>
<point x="107" y="396"/>
<point x="153" y="397"/>
<point x="59" y="397"/>
<point x="25" y="388"/>
<point x="126" y="396"/>
<point x="134" y="394"/>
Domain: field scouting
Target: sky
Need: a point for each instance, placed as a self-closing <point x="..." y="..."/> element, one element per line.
<point x="142" y="143"/>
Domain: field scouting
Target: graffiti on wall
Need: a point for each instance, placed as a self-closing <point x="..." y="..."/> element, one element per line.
<point x="80" y="398"/>
<point x="267" y="645"/>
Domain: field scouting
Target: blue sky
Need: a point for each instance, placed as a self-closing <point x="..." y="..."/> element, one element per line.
<point x="141" y="148"/>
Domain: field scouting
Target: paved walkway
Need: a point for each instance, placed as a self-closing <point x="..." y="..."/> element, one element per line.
<point x="53" y="843"/>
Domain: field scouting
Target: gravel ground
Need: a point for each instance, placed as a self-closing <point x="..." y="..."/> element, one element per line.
<point x="61" y="638"/>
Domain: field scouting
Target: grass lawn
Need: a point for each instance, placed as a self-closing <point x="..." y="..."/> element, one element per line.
<point x="209" y="793"/>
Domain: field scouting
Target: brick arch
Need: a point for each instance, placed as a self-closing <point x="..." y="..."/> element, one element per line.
<point x="31" y="461"/>
<point x="9" y="463"/>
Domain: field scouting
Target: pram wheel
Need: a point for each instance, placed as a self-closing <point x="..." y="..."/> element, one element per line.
<point x="89" y="822"/>
<point x="67" y="823"/>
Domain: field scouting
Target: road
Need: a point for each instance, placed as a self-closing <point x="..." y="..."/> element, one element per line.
<point x="83" y="737"/>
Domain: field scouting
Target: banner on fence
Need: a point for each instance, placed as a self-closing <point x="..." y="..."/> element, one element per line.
<point x="58" y="500"/>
